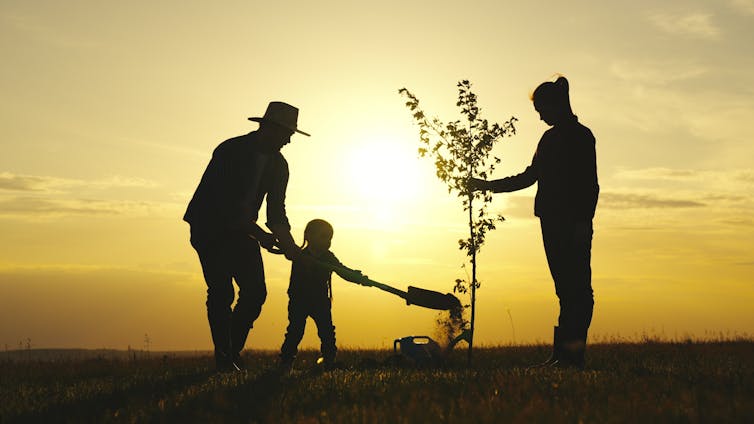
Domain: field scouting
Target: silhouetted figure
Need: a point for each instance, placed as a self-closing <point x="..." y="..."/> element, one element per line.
<point x="310" y="293"/>
<point x="565" y="170"/>
<point x="223" y="213"/>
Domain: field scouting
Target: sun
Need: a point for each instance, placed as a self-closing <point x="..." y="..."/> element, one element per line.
<point x="384" y="171"/>
<point x="385" y="177"/>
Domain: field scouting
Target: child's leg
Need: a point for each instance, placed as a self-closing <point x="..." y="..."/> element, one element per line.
<point x="322" y="315"/>
<point x="297" y="314"/>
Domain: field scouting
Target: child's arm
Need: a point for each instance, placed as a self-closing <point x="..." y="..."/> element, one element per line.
<point x="352" y="275"/>
<point x="346" y="273"/>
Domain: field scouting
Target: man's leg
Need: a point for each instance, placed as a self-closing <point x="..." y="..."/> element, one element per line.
<point x="216" y="269"/>
<point x="248" y="271"/>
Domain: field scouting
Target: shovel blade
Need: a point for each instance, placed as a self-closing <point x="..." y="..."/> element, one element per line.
<point x="431" y="299"/>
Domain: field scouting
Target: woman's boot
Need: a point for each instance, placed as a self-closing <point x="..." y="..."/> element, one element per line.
<point x="572" y="349"/>
<point x="556" y="351"/>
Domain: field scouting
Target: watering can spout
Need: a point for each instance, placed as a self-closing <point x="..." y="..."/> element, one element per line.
<point x="465" y="335"/>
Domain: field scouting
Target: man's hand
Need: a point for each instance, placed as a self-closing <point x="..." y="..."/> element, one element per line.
<point x="475" y="184"/>
<point x="266" y="240"/>
<point x="285" y="241"/>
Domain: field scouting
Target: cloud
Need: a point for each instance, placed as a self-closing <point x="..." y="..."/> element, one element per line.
<point x="725" y="197"/>
<point x="659" y="73"/>
<point x="735" y="178"/>
<point x="739" y="222"/>
<point x="671" y="188"/>
<point x="644" y="201"/>
<point x="22" y="182"/>
<point x="746" y="175"/>
<point x="518" y="207"/>
<point x="50" y="33"/>
<point x="39" y="183"/>
<point x="25" y="206"/>
<point x="744" y="6"/>
<point x="659" y="174"/>
<point x="697" y="25"/>
<point x="35" y="196"/>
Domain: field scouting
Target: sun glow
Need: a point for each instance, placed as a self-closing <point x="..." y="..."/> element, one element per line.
<point x="387" y="176"/>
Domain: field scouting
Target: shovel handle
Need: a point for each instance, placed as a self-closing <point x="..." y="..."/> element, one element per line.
<point x="368" y="282"/>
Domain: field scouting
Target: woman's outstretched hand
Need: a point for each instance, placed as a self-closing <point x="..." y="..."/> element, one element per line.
<point x="475" y="184"/>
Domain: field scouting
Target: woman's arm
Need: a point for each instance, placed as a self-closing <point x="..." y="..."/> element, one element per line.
<point x="508" y="184"/>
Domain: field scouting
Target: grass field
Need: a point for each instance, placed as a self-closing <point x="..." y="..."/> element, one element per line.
<point x="624" y="382"/>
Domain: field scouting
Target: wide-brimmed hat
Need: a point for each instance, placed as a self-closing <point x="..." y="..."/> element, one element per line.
<point x="282" y="114"/>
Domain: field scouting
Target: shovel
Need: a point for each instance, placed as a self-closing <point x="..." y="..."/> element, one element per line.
<point x="413" y="296"/>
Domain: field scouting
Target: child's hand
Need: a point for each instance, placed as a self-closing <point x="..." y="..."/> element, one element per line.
<point x="361" y="278"/>
<point x="353" y="275"/>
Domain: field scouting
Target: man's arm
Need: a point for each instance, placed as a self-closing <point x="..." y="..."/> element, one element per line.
<point x="264" y="238"/>
<point x="284" y="240"/>
<point x="277" y="219"/>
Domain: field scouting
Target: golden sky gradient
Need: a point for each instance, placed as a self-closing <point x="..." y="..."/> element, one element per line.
<point x="110" y="113"/>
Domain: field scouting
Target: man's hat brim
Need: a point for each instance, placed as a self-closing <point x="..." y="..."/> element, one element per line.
<point x="282" y="125"/>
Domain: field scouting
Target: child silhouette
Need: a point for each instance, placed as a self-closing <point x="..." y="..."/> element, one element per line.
<point x="310" y="293"/>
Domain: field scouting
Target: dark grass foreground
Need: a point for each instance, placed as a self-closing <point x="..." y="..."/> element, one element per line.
<point x="648" y="382"/>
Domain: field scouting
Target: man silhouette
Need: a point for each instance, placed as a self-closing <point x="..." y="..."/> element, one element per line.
<point x="243" y="172"/>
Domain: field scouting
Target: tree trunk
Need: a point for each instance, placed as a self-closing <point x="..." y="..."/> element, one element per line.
<point x="472" y="239"/>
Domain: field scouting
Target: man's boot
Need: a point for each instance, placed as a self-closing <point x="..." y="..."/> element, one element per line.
<point x="224" y="362"/>
<point x="219" y="325"/>
<point x="556" y="351"/>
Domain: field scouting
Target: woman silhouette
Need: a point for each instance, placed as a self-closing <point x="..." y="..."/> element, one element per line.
<point x="565" y="170"/>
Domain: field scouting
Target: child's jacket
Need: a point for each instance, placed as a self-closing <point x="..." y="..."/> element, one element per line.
<point x="312" y="281"/>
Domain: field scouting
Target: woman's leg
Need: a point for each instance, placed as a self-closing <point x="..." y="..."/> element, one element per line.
<point x="568" y="250"/>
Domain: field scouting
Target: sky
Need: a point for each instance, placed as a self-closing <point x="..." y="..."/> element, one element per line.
<point x="110" y="112"/>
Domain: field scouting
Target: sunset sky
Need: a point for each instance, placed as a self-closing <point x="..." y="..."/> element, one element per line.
<point x="110" y="112"/>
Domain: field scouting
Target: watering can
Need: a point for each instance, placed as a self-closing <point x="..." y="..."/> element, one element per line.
<point x="422" y="349"/>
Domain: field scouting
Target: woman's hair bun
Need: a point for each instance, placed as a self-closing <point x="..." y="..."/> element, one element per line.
<point x="562" y="83"/>
<point x="555" y="93"/>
